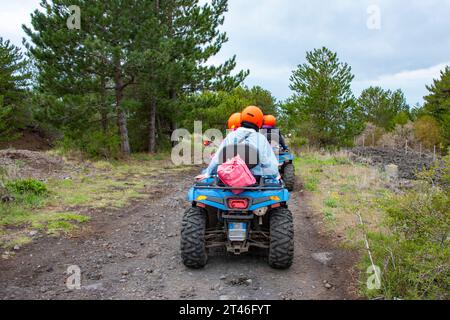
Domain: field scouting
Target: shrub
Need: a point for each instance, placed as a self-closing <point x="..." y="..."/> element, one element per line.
<point x="296" y="142"/>
<point x="27" y="186"/>
<point x="94" y="144"/>
<point x="414" y="256"/>
<point x="370" y="136"/>
<point x="398" y="137"/>
<point x="428" y="131"/>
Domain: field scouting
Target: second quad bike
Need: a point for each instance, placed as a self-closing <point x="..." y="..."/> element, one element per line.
<point x="257" y="217"/>
<point x="286" y="168"/>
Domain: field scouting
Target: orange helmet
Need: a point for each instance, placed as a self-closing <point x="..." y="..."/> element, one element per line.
<point x="270" y="120"/>
<point x="234" y="121"/>
<point x="253" y="115"/>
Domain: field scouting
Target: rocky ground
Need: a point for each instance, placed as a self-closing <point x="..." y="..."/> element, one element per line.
<point x="32" y="164"/>
<point x="409" y="163"/>
<point x="133" y="253"/>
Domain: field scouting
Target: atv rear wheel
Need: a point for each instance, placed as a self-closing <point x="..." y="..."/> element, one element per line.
<point x="289" y="176"/>
<point x="281" y="249"/>
<point x="193" y="250"/>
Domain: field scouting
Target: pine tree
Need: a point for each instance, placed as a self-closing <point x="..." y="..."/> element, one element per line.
<point x="437" y="103"/>
<point x="383" y="107"/>
<point x="103" y="56"/>
<point x="14" y="81"/>
<point x="187" y="37"/>
<point x="323" y="98"/>
<point x="144" y="52"/>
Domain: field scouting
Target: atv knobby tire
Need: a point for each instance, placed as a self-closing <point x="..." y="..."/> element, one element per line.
<point x="281" y="249"/>
<point x="193" y="250"/>
<point x="289" y="176"/>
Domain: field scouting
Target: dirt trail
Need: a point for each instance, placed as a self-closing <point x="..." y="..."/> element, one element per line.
<point x="134" y="254"/>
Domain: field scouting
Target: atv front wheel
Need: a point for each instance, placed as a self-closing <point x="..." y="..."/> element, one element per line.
<point x="193" y="250"/>
<point x="281" y="249"/>
<point x="289" y="176"/>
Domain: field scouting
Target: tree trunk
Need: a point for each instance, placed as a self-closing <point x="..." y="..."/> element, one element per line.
<point x="104" y="107"/>
<point x="122" y="122"/>
<point x="104" y="121"/>
<point x="152" y="115"/>
<point x="152" y="126"/>
<point x="121" y="116"/>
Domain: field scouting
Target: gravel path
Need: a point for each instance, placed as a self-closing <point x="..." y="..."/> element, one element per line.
<point x="134" y="254"/>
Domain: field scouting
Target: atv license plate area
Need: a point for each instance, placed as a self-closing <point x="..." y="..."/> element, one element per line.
<point x="237" y="231"/>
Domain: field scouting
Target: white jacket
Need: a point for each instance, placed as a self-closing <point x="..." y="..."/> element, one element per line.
<point x="268" y="162"/>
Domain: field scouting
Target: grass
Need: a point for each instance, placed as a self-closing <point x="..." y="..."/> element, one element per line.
<point x="339" y="189"/>
<point x="407" y="231"/>
<point x="56" y="207"/>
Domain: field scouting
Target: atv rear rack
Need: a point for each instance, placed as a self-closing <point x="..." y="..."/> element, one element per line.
<point x="259" y="188"/>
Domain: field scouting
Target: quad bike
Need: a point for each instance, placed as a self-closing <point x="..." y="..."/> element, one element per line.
<point x="286" y="167"/>
<point x="258" y="217"/>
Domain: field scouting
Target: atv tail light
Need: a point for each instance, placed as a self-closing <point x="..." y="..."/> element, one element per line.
<point x="239" y="204"/>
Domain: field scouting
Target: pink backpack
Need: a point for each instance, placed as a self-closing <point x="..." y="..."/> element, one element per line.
<point x="235" y="173"/>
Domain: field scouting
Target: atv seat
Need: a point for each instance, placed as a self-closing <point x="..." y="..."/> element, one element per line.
<point x="247" y="153"/>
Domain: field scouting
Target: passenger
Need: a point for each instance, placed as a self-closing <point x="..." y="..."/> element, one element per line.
<point x="234" y="122"/>
<point x="269" y="125"/>
<point x="248" y="132"/>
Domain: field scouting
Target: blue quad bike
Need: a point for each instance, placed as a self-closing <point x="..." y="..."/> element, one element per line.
<point x="258" y="217"/>
<point x="286" y="168"/>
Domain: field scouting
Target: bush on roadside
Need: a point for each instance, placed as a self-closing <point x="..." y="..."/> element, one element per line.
<point x="25" y="186"/>
<point x="370" y="136"/>
<point x="415" y="256"/>
<point x="428" y="131"/>
<point x="399" y="136"/>
<point x="94" y="145"/>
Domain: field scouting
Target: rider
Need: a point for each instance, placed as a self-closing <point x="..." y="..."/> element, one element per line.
<point x="234" y="122"/>
<point x="251" y="122"/>
<point x="269" y="125"/>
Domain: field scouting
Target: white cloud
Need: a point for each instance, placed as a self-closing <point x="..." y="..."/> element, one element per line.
<point x="12" y="15"/>
<point x="271" y="37"/>
<point x="412" y="82"/>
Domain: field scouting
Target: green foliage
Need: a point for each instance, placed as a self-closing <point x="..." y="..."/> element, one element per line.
<point x="331" y="203"/>
<point x="214" y="108"/>
<point x="92" y="144"/>
<point x="296" y="142"/>
<point x="415" y="255"/>
<point x="437" y="103"/>
<point x="151" y="53"/>
<point x="428" y="131"/>
<point x="31" y="186"/>
<point x="323" y="107"/>
<point x="311" y="183"/>
<point x="384" y="108"/>
<point x="14" y="79"/>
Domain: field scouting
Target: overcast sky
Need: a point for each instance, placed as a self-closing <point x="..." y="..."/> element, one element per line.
<point x="271" y="37"/>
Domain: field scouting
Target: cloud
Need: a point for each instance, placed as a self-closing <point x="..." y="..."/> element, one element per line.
<point x="271" y="37"/>
<point x="12" y="15"/>
<point x="411" y="81"/>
